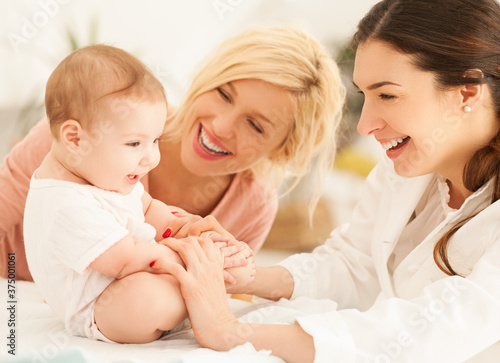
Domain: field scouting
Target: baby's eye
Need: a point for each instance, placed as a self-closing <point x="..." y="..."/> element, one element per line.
<point x="133" y="144"/>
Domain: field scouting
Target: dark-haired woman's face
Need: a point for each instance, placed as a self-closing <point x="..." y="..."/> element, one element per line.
<point x="422" y="129"/>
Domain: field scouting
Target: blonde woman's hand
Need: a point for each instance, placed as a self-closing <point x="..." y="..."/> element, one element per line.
<point x="185" y="224"/>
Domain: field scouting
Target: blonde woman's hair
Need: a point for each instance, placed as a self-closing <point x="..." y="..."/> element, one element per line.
<point x="89" y="75"/>
<point x="288" y="58"/>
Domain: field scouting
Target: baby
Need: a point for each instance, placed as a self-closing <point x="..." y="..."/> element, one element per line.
<point x="91" y="230"/>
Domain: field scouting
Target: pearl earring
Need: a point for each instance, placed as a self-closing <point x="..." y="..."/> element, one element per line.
<point x="467" y="109"/>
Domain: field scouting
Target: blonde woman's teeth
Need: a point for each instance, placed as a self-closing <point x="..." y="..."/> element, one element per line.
<point x="392" y="143"/>
<point x="210" y="147"/>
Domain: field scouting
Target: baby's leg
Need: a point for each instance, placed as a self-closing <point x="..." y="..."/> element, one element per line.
<point x="139" y="308"/>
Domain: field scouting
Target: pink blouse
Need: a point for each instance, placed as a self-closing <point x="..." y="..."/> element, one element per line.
<point x="247" y="210"/>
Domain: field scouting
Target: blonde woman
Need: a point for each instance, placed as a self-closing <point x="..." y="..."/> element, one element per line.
<point x="262" y="106"/>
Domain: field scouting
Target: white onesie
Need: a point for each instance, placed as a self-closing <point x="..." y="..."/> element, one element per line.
<point x="66" y="227"/>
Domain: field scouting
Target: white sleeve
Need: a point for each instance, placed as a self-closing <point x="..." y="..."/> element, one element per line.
<point x="452" y="320"/>
<point x="82" y="231"/>
<point x="342" y="268"/>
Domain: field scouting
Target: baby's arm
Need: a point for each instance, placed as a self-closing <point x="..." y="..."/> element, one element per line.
<point x="160" y="216"/>
<point x="128" y="256"/>
<point x="157" y="214"/>
<point x="183" y="224"/>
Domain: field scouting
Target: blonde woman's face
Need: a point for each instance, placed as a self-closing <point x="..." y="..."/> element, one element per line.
<point x="231" y="128"/>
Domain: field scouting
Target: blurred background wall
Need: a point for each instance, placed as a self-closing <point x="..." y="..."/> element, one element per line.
<point x="172" y="37"/>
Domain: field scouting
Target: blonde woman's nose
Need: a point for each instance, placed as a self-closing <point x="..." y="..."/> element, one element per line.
<point x="224" y="125"/>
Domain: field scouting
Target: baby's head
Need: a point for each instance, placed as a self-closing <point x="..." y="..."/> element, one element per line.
<point x="95" y="79"/>
<point x="106" y="111"/>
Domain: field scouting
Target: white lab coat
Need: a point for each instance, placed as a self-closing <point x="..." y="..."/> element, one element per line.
<point x="418" y="314"/>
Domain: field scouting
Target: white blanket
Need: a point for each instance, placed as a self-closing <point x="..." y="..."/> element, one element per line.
<point x="39" y="336"/>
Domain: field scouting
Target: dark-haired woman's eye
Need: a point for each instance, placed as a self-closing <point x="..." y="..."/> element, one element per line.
<point x="383" y="96"/>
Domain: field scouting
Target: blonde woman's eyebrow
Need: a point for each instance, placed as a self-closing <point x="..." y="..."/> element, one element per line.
<point x="263" y="118"/>
<point x="233" y="89"/>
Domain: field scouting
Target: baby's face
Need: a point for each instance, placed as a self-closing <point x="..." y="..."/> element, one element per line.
<point x="121" y="146"/>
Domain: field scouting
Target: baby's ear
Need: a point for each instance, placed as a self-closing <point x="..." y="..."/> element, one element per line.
<point x="70" y="134"/>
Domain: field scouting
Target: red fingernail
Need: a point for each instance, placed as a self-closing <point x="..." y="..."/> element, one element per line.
<point x="152" y="264"/>
<point x="167" y="233"/>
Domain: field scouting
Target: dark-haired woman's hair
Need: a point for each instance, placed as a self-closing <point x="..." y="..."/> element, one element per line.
<point x="448" y="38"/>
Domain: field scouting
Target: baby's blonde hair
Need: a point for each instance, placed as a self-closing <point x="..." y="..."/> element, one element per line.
<point x="89" y="75"/>
<point x="288" y="58"/>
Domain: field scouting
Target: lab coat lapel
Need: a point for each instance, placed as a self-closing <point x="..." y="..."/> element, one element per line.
<point x="400" y="200"/>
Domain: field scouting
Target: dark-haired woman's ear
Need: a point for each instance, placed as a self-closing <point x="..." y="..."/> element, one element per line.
<point x="470" y="96"/>
<point x="471" y="93"/>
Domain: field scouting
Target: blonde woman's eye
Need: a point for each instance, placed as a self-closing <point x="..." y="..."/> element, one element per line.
<point x="255" y="126"/>
<point x="384" y="96"/>
<point x="223" y="94"/>
<point x="133" y="144"/>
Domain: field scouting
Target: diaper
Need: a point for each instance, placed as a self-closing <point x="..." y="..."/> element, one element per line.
<point x="184" y="325"/>
<point x="95" y="333"/>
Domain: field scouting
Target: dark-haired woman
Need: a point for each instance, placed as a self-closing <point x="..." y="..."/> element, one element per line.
<point x="416" y="273"/>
